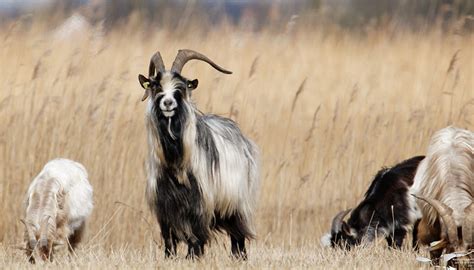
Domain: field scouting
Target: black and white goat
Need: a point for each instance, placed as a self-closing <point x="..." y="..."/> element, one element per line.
<point x="385" y="210"/>
<point x="202" y="172"/>
<point x="58" y="202"/>
<point x="444" y="183"/>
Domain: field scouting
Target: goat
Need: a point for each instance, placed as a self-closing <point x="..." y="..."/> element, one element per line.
<point x="58" y="202"/>
<point x="203" y="173"/>
<point x="444" y="185"/>
<point x="385" y="210"/>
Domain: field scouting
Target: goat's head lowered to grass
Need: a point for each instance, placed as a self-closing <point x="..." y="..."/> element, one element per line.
<point x="57" y="204"/>
<point x="37" y="238"/>
<point x="168" y="89"/>
<point x="385" y="210"/>
<point x="453" y="239"/>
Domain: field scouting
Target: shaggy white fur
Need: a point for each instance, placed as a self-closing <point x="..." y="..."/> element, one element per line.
<point x="447" y="173"/>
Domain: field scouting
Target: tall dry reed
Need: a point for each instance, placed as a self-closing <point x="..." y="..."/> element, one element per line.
<point x="326" y="109"/>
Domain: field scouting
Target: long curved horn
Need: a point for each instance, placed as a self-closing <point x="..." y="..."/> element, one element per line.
<point x="156" y="63"/>
<point x="184" y="56"/>
<point x="446" y="214"/>
<point x="43" y="241"/>
<point x="467" y="227"/>
<point x="337" y="221"/>
<point x="31" y="235"/>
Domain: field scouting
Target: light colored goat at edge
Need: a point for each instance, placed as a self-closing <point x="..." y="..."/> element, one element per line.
<point x="57" y="204"/>
<point x="444" y="183"/>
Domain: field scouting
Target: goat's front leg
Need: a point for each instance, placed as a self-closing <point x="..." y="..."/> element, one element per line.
<point x="195" y="249"/>
<point x="170" y="241"/>
<point x="396" y="240"/>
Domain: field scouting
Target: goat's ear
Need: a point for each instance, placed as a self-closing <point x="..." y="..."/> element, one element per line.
<point x="191" y="85"/>
<point x="144" y="81"/>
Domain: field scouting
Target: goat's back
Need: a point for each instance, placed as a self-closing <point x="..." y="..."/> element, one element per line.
<point x="69" y="177"/>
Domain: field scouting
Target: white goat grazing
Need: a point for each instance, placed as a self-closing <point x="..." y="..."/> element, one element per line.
<point x="58" y="202"/>
<point x="444" y="182"/>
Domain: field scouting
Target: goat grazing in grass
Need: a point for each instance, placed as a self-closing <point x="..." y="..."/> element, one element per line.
<point x="58" y="202"/>
<point x="384" y="211"/>
<point x="444" y="185"/>
<point x="203" y="173"/>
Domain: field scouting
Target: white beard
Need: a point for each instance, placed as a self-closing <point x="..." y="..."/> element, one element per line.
<point x="169" y="128"/>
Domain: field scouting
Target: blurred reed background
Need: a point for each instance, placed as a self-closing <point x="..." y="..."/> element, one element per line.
<point x="331" y="91"/>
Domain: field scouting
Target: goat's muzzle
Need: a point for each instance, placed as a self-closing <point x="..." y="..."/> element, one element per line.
<point x="445" y="212"/>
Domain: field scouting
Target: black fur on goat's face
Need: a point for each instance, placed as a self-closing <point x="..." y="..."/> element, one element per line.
<point x="169" y="94"/>
<point x="344" y="238"/>
<point x="166" y="88"/>
<point x="358" y="226"/>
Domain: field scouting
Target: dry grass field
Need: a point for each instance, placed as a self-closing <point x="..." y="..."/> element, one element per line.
<point x="327" y="109"/>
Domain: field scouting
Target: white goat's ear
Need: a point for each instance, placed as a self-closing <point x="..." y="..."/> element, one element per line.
<point x="144" y="81"/>
<point x="191" y="85"/>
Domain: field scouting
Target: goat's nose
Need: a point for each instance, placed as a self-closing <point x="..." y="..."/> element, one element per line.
<point x="168" y="102"/>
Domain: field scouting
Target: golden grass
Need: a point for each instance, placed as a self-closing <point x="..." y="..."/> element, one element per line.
<point x="326" y="109"/>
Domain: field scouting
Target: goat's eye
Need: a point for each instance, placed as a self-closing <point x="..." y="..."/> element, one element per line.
<point x="157" y="87"/>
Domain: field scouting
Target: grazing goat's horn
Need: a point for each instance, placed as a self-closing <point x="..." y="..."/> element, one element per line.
<point x="467" y="227"/>
<point x="31" y="235"/>
<point x="337" y="221"/>
<point x="43" y="241"/>
<point x="184" y="56"/>
<point x="156" y="63"/>
<point x="446" y="214"/>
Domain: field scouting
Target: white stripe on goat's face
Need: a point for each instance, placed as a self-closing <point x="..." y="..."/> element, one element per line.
<point x="170" y="85"/>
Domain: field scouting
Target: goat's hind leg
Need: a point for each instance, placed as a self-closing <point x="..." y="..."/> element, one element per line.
<point x="396" y="240"/>
<point x="238" y="247"/>
<point x="237" y="231"/>
<point x="76" y="237"/>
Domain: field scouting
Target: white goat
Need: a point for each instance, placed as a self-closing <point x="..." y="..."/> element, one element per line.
<point x="58" y="202"/>
<point x="445" y="184"/>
